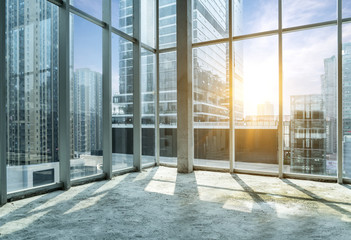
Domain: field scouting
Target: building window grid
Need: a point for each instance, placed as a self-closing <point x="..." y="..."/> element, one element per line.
<point x="277" y="32"/>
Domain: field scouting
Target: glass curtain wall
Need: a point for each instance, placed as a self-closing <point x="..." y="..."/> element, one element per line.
<point x="346" y="96"/>
<point x="86" y="98"/>
<point x="122" y="103"/>
<point x="256" y="91"/>
<point x="168" y="81"/>
<point x="256" y="86"/>
<point x="211" y="84"/>
<point x="148" y="86"/>
<point x="32" y="94"/>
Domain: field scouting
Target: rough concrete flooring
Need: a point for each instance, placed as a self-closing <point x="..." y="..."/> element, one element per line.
<point x="160" y="204"/>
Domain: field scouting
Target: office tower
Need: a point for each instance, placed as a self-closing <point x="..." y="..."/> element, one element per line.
<point x="32" y="82"/>
<point x="308" y="134"/>
<point x="86" y="109"/>
<point x="329" y="95"/>
<point x="346" y="88"/>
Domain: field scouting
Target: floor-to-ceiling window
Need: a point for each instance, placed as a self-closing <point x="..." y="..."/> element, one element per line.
<point x="85" y="98"/>
<point x="167" y="37"/>
<point x="32" y="94"/>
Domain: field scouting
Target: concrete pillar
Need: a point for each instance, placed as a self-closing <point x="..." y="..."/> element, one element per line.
<point x="185" y="131"/>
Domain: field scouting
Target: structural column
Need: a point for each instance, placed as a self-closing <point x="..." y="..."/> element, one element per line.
<point x="137" y="147"/>
<point x="106" y="91"/>
<point x="185" y="131"/>
<point x="64" y="95"/>
<point x="3" y="184"/>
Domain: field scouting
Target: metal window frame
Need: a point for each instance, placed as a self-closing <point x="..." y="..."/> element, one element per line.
<point x="65" y="9"/>
<point x="279" y="33"/>
<point x="3" y="176"/>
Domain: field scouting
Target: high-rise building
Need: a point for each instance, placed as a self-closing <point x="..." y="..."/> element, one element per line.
<point x="32" y="82"/>
<point x="307" y="134"/>
<point x="86" y="110"/>
<point x="329" y="95"/>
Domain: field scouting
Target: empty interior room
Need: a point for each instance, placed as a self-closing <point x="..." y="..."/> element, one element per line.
<point x="175" y="119"/>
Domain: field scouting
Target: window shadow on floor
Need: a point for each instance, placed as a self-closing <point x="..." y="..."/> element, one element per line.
<point x="318" y="198"/>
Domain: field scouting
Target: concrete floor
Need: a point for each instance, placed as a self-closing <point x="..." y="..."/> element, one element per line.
<point x="158" y="203"/>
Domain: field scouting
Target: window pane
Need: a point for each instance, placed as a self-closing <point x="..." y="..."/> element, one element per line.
<point x="211" y="102"/>
<point x="210" y="20"/>
<point x="256" y="142"/>
<point x="302" y="12"/>
<point x="122" y="103"/>
<point x="346" y="9"/>
<point x="32" y="94"/>
<point x="346" y="99"/>
<point x="148" y="86"/>
<point x="86" y="99"/>
<point x="168" y="107"/>
<point x="252" y="16"/>
<point x="310" y="100"/>
<point x="92" y="7"/>
<point x="148" y="22"/>
<point x="122" y="15"/>
<point x="167" y="23"/>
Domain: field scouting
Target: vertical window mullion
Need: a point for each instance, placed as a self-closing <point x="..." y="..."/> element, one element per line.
<point x="3" y="178"/>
